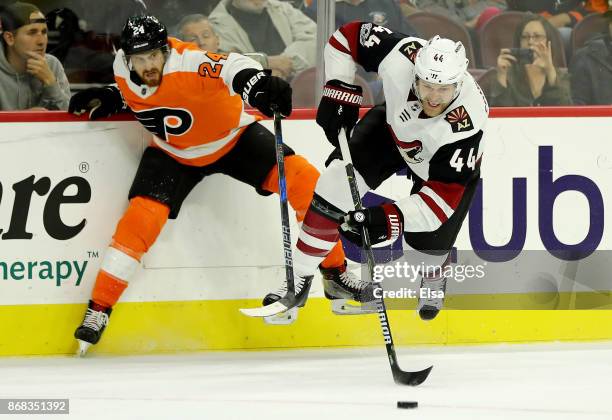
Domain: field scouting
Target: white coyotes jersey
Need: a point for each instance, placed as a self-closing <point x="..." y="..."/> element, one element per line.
<point x="443" y="151"/>
<point x="418" y="137"/>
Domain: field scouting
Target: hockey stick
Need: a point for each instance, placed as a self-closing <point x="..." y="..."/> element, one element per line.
<point x="288" y="301"/>
<point x="399" y="376"/>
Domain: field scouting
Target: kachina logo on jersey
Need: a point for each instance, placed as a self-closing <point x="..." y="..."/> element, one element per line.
<point x="410" y="149"/>
<point x="32" y="191"/>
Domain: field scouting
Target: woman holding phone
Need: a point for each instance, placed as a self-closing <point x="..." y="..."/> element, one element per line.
<point x="526" y="74"/>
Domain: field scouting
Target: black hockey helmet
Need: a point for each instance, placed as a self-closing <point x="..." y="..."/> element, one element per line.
<point x="143" y="33"/>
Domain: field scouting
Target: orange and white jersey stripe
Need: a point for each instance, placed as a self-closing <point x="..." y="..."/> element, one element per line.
<point x="194" y="114"/>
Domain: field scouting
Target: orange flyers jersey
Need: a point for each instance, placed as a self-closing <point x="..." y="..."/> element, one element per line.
<point x="194" y="114"/>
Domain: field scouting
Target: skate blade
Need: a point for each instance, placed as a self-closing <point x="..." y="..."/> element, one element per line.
<point x="285" y="318"/>
<point x="83" y="347"/>
<point x="272" y="309"/>
<point x="343" y="307"/>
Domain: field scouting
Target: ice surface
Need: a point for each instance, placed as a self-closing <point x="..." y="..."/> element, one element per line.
<point x="552" y="381"/>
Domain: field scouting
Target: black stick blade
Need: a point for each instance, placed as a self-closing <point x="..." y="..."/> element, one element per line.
<point x="411" y="378"/>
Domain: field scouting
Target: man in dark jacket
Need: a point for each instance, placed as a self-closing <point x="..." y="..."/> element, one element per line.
<point x="591" y="70"/>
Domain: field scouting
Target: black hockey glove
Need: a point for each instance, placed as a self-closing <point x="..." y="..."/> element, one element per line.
<point x="339" y="107"/>
<point x="384" y="223"/>
<point x="262" y="91"/>
<point x="100" y="102"/>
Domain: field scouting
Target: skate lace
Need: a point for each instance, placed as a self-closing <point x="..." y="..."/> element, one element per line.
<point x="95" y="319"/>
<point x="352" y="281"/>
<point x="282" y="290"/>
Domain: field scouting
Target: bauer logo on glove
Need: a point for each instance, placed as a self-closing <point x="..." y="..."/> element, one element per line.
<point x="263" y="91"/>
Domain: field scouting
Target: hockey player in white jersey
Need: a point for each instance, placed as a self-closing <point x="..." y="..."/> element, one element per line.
<point x="432" y="124"/>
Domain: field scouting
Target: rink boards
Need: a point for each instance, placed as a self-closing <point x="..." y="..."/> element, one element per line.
<point x="64" y="183"/>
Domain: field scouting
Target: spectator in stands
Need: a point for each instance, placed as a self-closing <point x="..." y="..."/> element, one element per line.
<point x="381" y="12"/>
<point x="196" y="28"/>
<point x="29" y="78"/>
<point x="86" y="37"/>
<point x="471" y="13"/>
<point x="596" y="6"/>
<point x="560" y="13"/>
<point x="530" y="81"/>
<point x="591" y="70"/>
<point x="386" y="13"/>
<point x="172" y="11"/>
<point x="272" y="27"/>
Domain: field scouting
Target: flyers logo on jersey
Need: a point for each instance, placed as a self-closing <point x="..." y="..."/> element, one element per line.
<point x="410" y="50"/>
<point x="459" y="120"/>
<point x="166" y="121"/>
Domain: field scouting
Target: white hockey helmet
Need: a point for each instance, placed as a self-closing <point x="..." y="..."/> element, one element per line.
<point x="441" y="61"/>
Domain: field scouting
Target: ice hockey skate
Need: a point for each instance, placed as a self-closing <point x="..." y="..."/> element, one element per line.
<point x="341" y="286"/>
<point x="431" y="297"/>
<point x="302" y="287"/>
<point x="90" y="331"/>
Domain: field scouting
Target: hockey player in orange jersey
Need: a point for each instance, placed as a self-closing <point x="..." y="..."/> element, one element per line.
<point x="192" y="101"/>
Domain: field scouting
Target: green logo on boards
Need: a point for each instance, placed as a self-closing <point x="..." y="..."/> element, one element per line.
<point x="63" y="273"/>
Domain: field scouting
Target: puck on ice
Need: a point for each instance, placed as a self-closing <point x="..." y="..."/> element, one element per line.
<point x="407" y="404"/>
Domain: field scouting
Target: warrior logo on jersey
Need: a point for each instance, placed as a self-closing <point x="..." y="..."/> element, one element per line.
<point x="410" y="50"/>
<point x="459" y="120"/>
<point x="166" y="121"/>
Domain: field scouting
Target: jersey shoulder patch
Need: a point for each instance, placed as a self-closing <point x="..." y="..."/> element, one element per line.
<point x="410" y="49"/>
<point x="459" y="120"/>
<point x="364" y="33"/>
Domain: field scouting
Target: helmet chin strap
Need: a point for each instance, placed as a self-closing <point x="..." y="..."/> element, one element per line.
<point x="134" y="77"/>
<point x="415" y="87"/>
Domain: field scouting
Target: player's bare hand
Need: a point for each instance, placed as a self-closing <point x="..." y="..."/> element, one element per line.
<point x="38" y="67"/>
